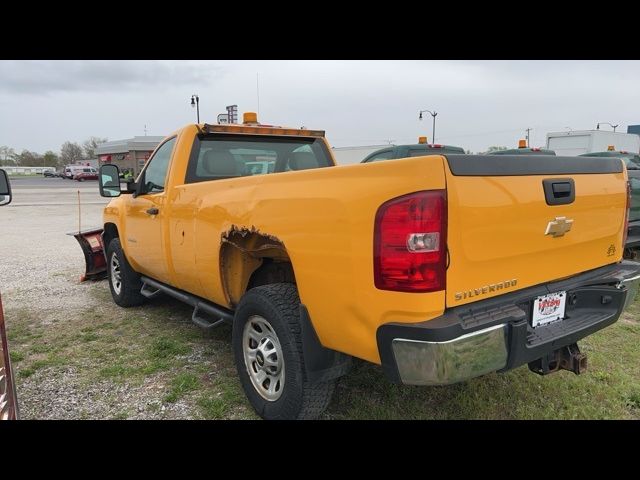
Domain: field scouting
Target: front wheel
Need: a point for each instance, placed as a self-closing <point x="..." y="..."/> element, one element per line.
<point x="267" y="346"/>
<point x="124" y="282"/>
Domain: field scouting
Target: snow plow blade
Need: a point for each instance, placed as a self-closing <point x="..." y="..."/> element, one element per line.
<point x="94" y="256"/>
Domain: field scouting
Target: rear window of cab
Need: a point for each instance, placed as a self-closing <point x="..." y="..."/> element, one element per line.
<point x="216" y="157"/>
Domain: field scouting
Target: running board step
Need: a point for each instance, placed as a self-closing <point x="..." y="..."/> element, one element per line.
<point x="145" y="291"/>
<point x="219" y="314"/>
<point x="203" y="322"/>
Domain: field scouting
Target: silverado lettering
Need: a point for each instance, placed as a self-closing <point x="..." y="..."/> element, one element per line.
<point x="486" y="289"/>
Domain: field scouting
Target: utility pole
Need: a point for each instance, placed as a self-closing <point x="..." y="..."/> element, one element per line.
<point x="528" y="130"/>
<point x="607" y="123"/>
<point x="145" y="130"/>
<point x="258" y="92"/>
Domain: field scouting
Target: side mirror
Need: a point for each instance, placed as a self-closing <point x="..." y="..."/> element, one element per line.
<point x="109" y="181"/>
<point x="5" y="189"/>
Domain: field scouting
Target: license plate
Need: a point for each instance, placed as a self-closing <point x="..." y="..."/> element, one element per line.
<point x="549" y="308"/>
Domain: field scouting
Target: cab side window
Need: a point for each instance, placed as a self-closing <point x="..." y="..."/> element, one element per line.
<point x="386" y="155"/>
<point x="156" y="172"/>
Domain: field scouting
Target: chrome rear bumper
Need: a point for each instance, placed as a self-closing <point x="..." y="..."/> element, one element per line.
<point x="442" y="363"/>
<point x="497" y="334"/>
<point x="632" y="285"/>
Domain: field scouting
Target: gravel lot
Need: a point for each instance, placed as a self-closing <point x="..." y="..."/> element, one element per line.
<point x="79" y="356"/>
<point x="46" y="306"/>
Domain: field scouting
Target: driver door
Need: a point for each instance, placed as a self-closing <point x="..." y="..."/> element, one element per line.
<point x="145" y="216"/>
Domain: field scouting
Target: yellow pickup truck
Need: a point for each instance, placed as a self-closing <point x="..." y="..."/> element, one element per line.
<point x="439" y="268"/>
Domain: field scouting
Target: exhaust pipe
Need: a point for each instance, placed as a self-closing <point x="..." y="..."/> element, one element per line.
<point x="565" y="358"/>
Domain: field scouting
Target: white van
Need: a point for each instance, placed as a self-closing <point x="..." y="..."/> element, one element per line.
<point x="71" y="170"/>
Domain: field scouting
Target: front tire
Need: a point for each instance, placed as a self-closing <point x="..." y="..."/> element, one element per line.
<point x="269" y="357"/>
<point x="124" y="282"/>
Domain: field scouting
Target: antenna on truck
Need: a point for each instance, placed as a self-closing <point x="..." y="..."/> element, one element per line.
<point x="79" y="211"/>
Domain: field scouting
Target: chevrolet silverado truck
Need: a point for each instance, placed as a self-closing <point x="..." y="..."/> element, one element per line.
<point x="439" y="268"/>
<point x="8" y="397"/>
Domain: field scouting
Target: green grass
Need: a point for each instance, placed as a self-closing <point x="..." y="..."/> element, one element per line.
<point x="155" y="347"/>
<point x="16" y="356"/>
<point x="180" y="385"/>
<point x="212" y="408"/>
<point x="166" y="347"/>
<point x="123" y="415"/>
<point x="609" y="389"/>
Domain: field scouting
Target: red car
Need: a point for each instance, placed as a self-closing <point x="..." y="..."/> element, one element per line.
<point x="86" y="174"/>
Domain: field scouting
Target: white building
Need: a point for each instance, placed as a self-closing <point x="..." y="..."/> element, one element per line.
<point x="27" y="170"/>
<point x="577" y="142"/>
<point x="351" y="155"/>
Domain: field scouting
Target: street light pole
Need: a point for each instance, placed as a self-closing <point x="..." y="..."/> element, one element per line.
<point x="433" y="133"/>
<point x="607" y="123"/>
<point x="195" y="102"/>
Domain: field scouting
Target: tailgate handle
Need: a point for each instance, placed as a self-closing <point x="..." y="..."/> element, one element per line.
<point x="559" y="191"/>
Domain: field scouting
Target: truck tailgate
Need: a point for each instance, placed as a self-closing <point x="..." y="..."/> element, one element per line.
<point x="504" y="234"/>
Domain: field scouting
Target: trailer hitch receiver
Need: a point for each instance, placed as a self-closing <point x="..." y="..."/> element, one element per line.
<point x="565" y="358"/>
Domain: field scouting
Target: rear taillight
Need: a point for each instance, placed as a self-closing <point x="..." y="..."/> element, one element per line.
<point x="410" y="243"/>
<point x="627" y="214"/>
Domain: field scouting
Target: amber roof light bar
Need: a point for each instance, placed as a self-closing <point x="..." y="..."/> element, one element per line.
<point x="262" y="130"/>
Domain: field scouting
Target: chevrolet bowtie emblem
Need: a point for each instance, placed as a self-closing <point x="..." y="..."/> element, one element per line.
<point x="559" y="226"/>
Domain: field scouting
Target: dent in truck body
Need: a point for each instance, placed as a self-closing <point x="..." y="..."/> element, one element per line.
<point x="242" y="252"/>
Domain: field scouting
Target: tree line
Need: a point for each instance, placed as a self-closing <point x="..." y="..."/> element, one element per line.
<point x="70" y="152"/>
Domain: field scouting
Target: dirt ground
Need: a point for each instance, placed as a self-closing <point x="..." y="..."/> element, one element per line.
<point x="79" y="356"/>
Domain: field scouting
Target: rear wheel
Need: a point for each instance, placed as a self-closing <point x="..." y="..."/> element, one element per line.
<point x="268" y="352"/>
<point x="124" y="282"/>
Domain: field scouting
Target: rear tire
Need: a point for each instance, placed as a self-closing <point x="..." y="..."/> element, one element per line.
<point x="269" y="357"/>
<point x="124" y="282"/>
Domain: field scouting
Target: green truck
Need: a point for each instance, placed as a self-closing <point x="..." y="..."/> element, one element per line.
<point x="414" y="150"/>
<point x="523" y="151"/>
